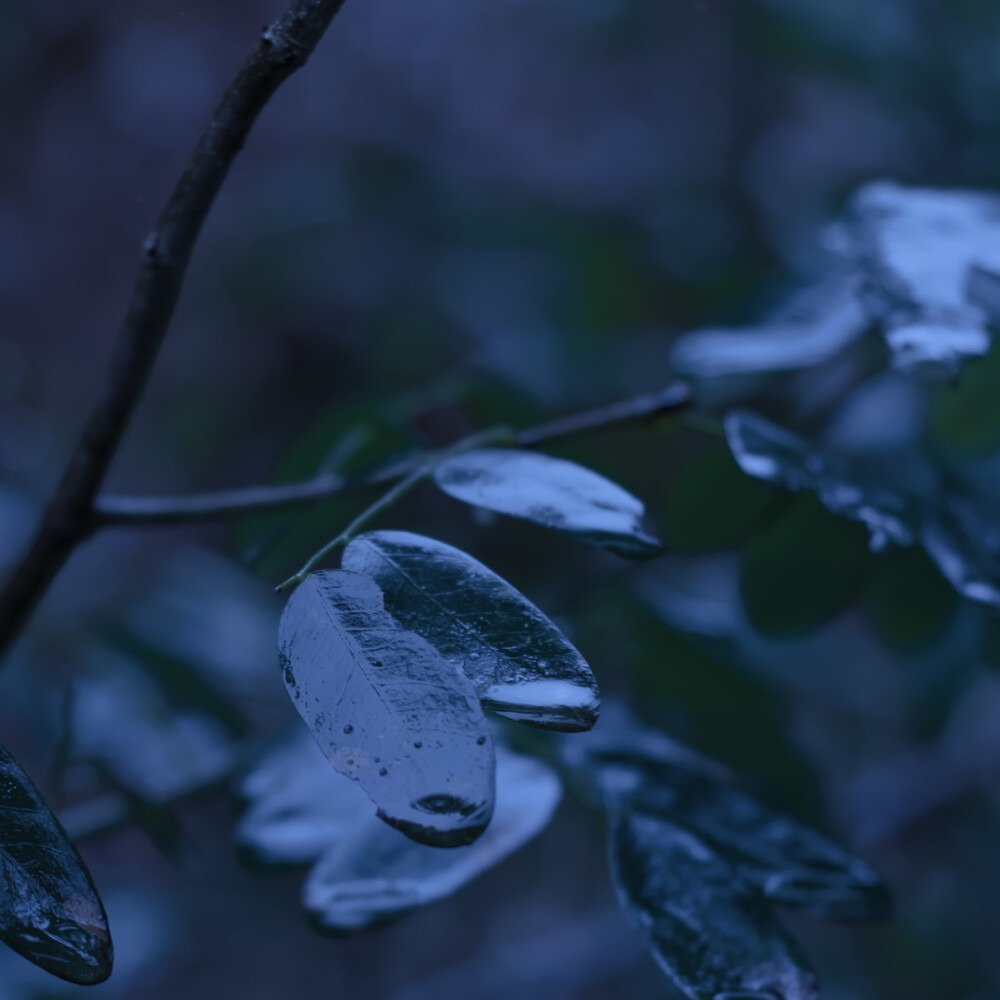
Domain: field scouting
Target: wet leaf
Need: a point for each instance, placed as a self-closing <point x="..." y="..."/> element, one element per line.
<point x="965" y="545"/>
<point x="925" y="251"/>
<point x="551" y="492"/>
<point x="522" y="666"/>
<point x="766" y="451"/>
<point x="49" y="910"/>
<point x="791" y="863"/>
<point x="812" y="327"/>
<point x="373" y="873"/>
<point x="297" y="805"/>
<point x="710" y="930"/>
<point x="387" y="709"/>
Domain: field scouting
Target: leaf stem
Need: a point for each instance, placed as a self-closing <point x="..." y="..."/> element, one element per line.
<point x="425" y="468"/>
<point x="113" y="511"/>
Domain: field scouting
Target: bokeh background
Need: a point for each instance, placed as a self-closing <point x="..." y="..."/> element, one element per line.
<point x="463" y="212"/>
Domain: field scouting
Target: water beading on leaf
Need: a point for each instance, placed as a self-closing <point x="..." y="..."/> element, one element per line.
<point x="551" y="492"/>
<point x="387" y="709"/>
<point x="522" y="666"/>
<point x="710" y="930"/>
<point x="374" y="873"/>
<point x="924" y="253"/>
<point x="49" y="910"/>
<point x="815" y="325"/>
<point x="766" y="451"/>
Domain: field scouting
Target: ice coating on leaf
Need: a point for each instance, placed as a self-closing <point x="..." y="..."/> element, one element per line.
<point x="551" y="492"/>
<point x="965" y="545"/>
<point x="387" y="709"/>
<point x="815" y="325"/>
<point x="921" y="248"/>
<point x="765" y="451"/>
<point x="49" y="910"/>
<point x="710" y="930"/>
<point x="297" y="805"/>
<point x="790" y="862"/>
<point x="522" y="666"/>
<point x="374" y="873"/>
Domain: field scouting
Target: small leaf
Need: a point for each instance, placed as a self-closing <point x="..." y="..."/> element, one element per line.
<point x="373" y="873"/>
<point x="49" y="910"/>
<point x="766" y="451"/>
<point x="551" y="492"/>
<point x="523" y="667"/>
<point x="710" y="930"/>
<point x="814" y="326"/>
<point x="388" y="710"/>
<point x="965" y="544"/>
<point x="297" y="805"/>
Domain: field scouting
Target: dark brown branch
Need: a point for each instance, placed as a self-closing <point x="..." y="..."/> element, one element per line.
<point x="143" y="511"/>
<point x="69" y="517"/>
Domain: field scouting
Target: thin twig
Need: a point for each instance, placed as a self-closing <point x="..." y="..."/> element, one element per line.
<point x="144" y="511"/>
<point x="69" y="517"/>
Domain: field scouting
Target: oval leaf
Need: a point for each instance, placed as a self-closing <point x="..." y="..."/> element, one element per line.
<point x="710" y="930"/>
<point x="791" y="863"/>
<point x="374" y="874"/>
<point x="297" y="805"/>
<point x="388" y="710"/>
<point x="551" y="492"/>
<point x="49" y="909"/>
<point x="523" y="667"/>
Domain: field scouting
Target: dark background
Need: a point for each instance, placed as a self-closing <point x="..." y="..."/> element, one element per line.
<point x="464" y="212"/>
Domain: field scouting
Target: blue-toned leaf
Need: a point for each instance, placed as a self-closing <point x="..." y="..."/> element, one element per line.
<point x="387" y="709"/>
<point x="49" y="910"/>
<point x="522" y="666"/>
<point x="373" y="873"/>
<point x="551" y="492"/>
<point x="710" y="929"/>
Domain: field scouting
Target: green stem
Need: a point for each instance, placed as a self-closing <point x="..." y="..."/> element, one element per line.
<point x="496" y="435"/>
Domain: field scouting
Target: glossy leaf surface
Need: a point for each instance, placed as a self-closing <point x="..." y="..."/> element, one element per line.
<point x="551" y="492"/>
<point x="373" y="873"/>
<point x="49" y="910"/>
<point x="522" y="666"/>
<point x="387" y="709"/>
<point x="710" y="930"/>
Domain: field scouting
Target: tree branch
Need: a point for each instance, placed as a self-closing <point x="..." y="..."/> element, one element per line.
<point x="69" y="516"/>
<point x="145" y="511"/>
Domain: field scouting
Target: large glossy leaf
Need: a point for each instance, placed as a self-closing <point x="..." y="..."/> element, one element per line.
<point x="374" y="873"/>
<point x="523" y="667"/>
<point x="711" y="931"/>
<point x="387" y="709"/>
<point x="49" y="910"/>
<point x="551" y="492"/>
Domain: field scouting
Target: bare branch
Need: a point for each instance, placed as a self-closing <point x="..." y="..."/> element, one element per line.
<point x="146" y="511"/>
<point x="69" y="517"/>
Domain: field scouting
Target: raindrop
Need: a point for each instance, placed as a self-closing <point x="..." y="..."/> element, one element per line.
<point x="348" y="728"/>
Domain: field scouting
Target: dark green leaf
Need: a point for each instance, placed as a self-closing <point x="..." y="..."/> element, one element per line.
<point x="388" y="710"/>
<point x="520" y="663"/>
<point x="551" y="492"/>
<point x="49" y="910"/>
<point x="791" y="863"/>
<point x="372" y="873"/>
<point x="803" y="570"/>
<point x="710" y="930"/>
<point x="766" y="451"/>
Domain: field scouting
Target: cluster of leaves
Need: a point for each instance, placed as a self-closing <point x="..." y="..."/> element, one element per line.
<point x="391" y="662"/>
